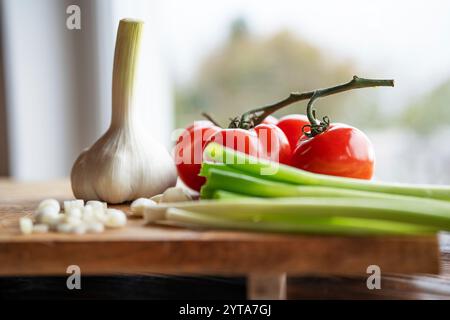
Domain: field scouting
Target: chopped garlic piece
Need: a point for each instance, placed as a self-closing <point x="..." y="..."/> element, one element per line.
<point x="100" y="215"/>
<point x="115" y="218"/>
<point x="46" y="213"/>
<point x="95" y="227"/>
<point x="47" y="210"/>
<point x="64" y="228"/>
<point x="50" y="219"/>
<point x="53" y="222"/>
<point x="70" y="204"/>
<point x="49" y="203"/>
<point x="88" y="213"/>
<point x="138" y="205"/>
<point x="73" y="221"/>
<point x="26" y="225"/>
<point x="175" y="194"/>
<point x="97" y="204"/>
<point x="79" y="229"/>
<point x="40" y="228"/>
<point x="67" y="205"/>
<point x="75" y="213"/>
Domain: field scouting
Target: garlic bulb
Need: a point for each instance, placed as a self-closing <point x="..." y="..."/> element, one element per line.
<point x="126" y="163"/>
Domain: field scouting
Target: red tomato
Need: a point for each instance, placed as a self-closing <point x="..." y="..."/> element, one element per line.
<point x="292" y="126"/>
<point x="238" y="139"/>
<point x="189" y="152"/>
<point x="339" y="151"/>
<point x="265" y="140"/>
<point x="274" y="145"/>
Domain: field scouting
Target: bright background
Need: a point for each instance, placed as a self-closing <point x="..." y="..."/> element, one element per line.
<point x="225" y="57"/>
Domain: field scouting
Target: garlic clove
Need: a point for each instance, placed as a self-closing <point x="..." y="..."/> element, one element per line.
<point x="88" y="213"/>
<point x="49" y="218"/>
<point x="75" y="213"/>
<point x="40" y="228"/>
<point x="95" y="227"/>
<point x="100" y="215"/>
<point x="73" y="204"/>
<point x="45" y="213"/>
<point x="157" y="198"/>
<point x="175" y="194"/>
<point x="26" y="225"/>
<point x="97" y="204"/>
<point x="115" y="218"/>
<point x="73" y="221"/>
<point x="49" y="203"/>
<point x="53" y="222"/>
<point x="79" y="229"/>
<point x="138" y="206"/>
<point x="64" y="228"/>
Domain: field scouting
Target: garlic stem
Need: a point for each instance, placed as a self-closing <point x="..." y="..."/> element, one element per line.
<point x="126" y="57"/>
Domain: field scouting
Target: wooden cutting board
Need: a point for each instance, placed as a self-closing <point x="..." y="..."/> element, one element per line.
<point x="139" y="248"/>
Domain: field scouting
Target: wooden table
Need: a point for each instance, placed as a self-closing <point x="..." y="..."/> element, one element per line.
<point x="314" y="263"/>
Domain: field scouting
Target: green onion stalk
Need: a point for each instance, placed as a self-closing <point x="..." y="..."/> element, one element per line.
<point x="273" y="171"/>
<point x="316" y="225"/>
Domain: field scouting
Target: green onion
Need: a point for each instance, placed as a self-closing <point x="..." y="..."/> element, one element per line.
<point x="320" y="225"/>
<point x="273" y="171"/>
<point x="304" y="202"/>
<point x="222" y="194"/>
<point x="240" y="183"/>
<point x="426" y="213"/>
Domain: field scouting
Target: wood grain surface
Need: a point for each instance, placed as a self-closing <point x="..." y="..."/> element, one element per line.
<point x="139" y="249"/>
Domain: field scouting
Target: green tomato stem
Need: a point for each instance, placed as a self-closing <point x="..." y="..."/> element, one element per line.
<point x="254" y="117"/>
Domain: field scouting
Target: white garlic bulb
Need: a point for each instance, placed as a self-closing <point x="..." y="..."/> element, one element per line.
<point x="126" y="163"/>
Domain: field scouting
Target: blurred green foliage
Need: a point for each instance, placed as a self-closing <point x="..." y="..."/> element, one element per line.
<point x="429" y="112"/>
<point x="250" y="71"/>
